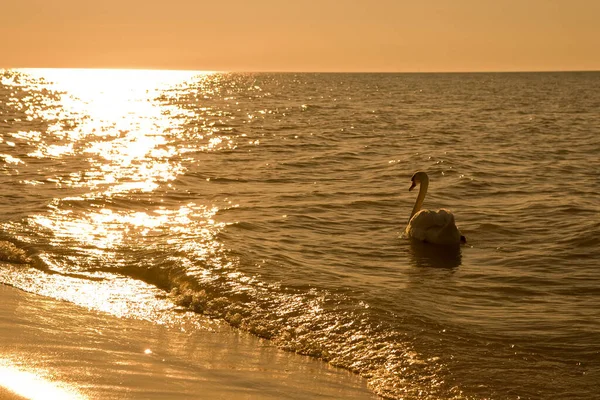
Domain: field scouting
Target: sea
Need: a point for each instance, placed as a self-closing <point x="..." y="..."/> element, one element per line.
<point x="277" y="202"/>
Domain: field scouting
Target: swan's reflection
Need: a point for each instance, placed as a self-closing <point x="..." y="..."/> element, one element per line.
<point x="436" y="256"/>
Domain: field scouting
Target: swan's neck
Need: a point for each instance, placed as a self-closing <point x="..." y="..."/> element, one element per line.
<point x="420" y="198"/>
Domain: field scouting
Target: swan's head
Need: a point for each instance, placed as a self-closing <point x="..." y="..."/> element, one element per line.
<point x="418" y="178"/>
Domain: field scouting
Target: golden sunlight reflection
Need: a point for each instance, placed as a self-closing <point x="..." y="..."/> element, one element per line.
<point x="100" y="291"/>
<point x="120" y="120"/>
<point x="116" y="140"/>
<point x="103" y="86"/>
<point x="34" y="384"/>
<point x="106" y="228"/>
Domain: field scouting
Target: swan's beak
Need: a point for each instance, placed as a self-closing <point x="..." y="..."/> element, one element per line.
<point x="412" y="186"/>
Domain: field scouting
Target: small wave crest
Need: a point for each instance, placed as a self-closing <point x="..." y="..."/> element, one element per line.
<point x="307" y="321"/>
<point x="10" y="253"/>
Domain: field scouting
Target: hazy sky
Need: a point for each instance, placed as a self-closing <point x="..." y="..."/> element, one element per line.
<point x="302" y="35"/>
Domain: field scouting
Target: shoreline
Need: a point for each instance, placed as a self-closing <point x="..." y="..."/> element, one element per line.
<point x="6" y="394"/>
<point x="49" y="344"/>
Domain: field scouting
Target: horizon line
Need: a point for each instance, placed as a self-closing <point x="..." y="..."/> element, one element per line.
<point x="266" y="71"/>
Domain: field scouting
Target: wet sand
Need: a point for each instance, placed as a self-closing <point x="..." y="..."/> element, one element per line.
<point x="5" y="394"/>
<point x="54" y="348"/>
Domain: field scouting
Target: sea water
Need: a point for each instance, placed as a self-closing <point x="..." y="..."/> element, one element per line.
<point x="277" y="202"/>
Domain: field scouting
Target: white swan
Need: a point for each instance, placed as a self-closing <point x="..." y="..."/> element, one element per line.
<point x="435" y="227"/>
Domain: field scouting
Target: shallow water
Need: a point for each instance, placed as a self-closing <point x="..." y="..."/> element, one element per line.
<point x="276" y="202"/>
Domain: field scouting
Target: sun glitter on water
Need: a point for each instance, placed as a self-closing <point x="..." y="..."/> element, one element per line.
<point x="121" y="130"/>
<point x="123" y="121"/>
<point x="110" y="103"/>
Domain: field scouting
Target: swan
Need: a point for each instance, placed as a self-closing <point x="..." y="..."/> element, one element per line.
<point x="437" y="227"/>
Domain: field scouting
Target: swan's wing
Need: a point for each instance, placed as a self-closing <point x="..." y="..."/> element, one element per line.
<point x="429" y="218"/>
<point x="434" y="227"/>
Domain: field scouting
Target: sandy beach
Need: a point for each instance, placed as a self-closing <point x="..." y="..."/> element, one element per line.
<point x="54" y="349"/>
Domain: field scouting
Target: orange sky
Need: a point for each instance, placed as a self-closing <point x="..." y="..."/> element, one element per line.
<point x="303" y="35"/>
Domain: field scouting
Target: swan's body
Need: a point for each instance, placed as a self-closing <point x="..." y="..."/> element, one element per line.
<point x="437" y="227"/>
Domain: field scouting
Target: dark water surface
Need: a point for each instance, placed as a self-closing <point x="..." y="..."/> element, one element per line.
<point x="276" y="202"/>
